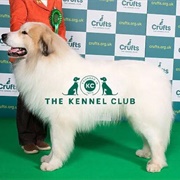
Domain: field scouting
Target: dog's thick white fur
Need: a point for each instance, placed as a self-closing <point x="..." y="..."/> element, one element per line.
<point x="48" y="70"/>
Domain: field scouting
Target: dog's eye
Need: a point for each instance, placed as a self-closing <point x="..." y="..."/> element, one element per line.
<point x="24" y="32"/>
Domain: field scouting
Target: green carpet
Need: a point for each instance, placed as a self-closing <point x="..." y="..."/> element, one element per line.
<point x="107" y="153"/>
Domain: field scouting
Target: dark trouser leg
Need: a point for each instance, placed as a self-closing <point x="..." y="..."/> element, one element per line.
<point x="30" y="128"/>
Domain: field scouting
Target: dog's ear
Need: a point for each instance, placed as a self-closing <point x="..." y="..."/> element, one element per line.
<point x="45" y="44"/>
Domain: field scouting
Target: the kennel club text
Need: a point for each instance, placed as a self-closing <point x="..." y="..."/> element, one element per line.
<point x="90" y="101"/>
<point x="94" y="90"/>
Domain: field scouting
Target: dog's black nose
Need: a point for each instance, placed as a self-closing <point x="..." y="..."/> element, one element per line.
<point x="4" y="37"/>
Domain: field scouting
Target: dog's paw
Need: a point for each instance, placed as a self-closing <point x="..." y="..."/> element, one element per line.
<point x="152" y="167"/>
<point x="49" y="166"/>
<point x="142" y="153"/>
<point x="155" y="166"/>
<point x="45" y="158"/>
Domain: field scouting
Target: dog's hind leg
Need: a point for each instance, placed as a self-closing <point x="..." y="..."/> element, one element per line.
<point x="158" y="136"/>
<point x="155" y="129"/>
<point x="155" y="144"/>
<point x="154" y="147"/>
<point x="158" y="159"/>
<point x="62" y="138"/>
<point x="145" y="152"/>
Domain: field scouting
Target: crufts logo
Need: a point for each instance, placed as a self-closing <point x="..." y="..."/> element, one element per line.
<point x="7" y="86"/>
<point x="129" y="47"/>
<point x="73" y="1"/>
<point x="164" y="69"/>
<point x="161" y="26"/>
<point x="101" y="23"/>
<point x="131" y="3"/>
<point x="178" y="92"/>
<point x="73" y="43"/>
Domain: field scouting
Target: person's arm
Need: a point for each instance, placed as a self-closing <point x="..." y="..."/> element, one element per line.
<point x="18" y="13"/>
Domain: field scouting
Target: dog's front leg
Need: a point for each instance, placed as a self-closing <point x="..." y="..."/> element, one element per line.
<point x="46" y="158"/>
<point x="103" y="91"/>
<point x="76" y="91"/>
<point x="62" y="138"/>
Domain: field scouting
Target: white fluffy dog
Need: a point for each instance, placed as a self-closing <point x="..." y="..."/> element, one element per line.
<point x="45" y="71"/>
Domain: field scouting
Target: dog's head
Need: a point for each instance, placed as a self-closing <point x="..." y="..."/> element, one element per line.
<point x="76" y="79"/>
<point x="103" y="79"/>
<point x="31" y="38"/>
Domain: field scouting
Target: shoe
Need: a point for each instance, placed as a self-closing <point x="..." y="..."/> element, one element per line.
<point x="41" y="145"/>
<point x="30" y="148"/>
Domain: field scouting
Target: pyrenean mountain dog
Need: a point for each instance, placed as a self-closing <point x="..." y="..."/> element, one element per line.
<point x="73" y="94"/>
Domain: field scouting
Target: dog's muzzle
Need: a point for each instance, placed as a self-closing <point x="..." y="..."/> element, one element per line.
<point x="14" y="51"/>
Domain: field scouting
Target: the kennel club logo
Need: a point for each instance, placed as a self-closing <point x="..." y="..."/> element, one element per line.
<point x="90" y="85"/>
<point x="90" y="90"/>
